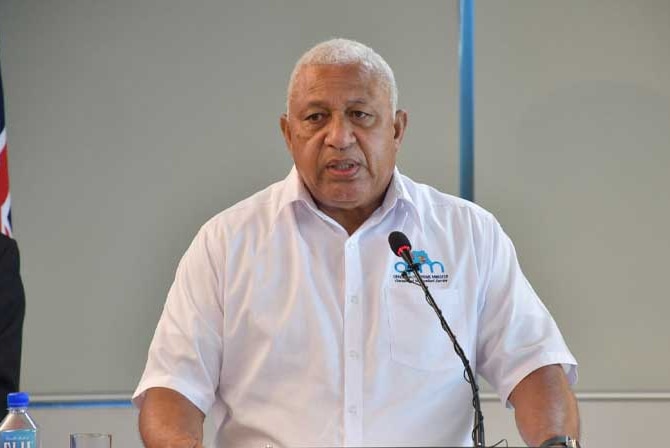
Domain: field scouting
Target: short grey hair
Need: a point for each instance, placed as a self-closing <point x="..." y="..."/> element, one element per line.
<point x="346" y="52"/>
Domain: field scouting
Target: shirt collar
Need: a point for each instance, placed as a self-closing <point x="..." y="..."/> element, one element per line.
<point x="398" y="195"/>
<point x="294" y="190"/>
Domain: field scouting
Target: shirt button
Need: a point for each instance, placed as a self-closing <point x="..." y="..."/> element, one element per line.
<point x="353" y="354"/>
<point x="353" y="410"/>
<point x="353" y="299"/>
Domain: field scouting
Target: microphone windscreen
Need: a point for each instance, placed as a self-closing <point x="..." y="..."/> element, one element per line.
<point x="398" y="241"/>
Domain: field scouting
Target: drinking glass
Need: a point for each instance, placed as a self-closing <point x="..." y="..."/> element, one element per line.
<point x="90" y="440"/>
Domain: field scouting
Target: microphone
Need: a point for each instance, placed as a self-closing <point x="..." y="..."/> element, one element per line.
<point x="401" y="246"/>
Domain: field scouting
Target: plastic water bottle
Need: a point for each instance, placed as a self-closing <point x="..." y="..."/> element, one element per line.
<point x="17" y="429"/>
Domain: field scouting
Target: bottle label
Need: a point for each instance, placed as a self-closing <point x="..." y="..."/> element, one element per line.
<point x="20" y="438"/>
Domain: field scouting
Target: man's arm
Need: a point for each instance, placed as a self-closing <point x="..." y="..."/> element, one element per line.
<point x="170" y="420"/>
<point x="545" y="406"/>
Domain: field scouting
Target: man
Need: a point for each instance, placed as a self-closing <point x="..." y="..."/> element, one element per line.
<point x="12" y="310"/>
<point x="288" y="321"/>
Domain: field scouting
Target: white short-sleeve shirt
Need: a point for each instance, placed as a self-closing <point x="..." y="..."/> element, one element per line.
<point x="290" y="332"/>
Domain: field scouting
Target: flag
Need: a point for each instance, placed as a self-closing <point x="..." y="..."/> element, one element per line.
<point x="5" y="199"/>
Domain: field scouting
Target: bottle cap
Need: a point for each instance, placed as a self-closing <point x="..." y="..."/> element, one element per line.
<point x="18" y="400"/>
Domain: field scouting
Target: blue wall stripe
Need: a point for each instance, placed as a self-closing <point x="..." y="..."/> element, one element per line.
<point x="81" y="404"/>
<point x="467" y="107"/>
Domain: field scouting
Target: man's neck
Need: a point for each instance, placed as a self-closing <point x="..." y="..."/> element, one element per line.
<point x="350" y="219"/>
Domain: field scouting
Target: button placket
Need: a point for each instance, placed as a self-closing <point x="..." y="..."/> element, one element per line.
<point x="353" y="369"/>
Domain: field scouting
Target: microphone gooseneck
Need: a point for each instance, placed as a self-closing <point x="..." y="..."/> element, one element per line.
<point x="401" y="247"/>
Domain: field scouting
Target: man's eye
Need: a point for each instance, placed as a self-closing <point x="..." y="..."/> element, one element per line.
<point x="360" y="115"/>
<point x="314" y="118"/>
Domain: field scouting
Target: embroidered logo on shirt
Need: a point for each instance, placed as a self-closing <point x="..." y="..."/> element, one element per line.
<point x="432" y="271"/>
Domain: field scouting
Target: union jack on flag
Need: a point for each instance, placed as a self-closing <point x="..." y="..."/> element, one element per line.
<point x="5" y="199"/>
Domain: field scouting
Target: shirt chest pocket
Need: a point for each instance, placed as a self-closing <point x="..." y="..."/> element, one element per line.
<point x="417" y="338"/>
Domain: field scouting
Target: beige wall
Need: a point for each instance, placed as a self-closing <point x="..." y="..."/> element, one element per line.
<point x="572" y="156"/>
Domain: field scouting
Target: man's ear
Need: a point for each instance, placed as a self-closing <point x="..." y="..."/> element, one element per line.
<point x="286" y="130"/>
<point x="399" y="125"/>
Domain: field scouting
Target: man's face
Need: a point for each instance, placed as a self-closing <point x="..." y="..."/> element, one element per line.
<point x="343" y="136"/>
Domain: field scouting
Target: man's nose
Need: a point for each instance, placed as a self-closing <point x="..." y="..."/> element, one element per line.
<point x="340" y="133"/>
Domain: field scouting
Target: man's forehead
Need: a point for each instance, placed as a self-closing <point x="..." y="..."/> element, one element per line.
<point x="355" y="68"/>
<point x="353" y="83"/>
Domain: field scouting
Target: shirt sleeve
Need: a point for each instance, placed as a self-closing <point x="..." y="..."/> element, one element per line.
<point x="517" y="335"/>
<point x="187" y="350"/>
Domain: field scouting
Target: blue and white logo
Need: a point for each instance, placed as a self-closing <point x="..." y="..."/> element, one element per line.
<point x="421" y="258"/>
<point x="432" y="271"/>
